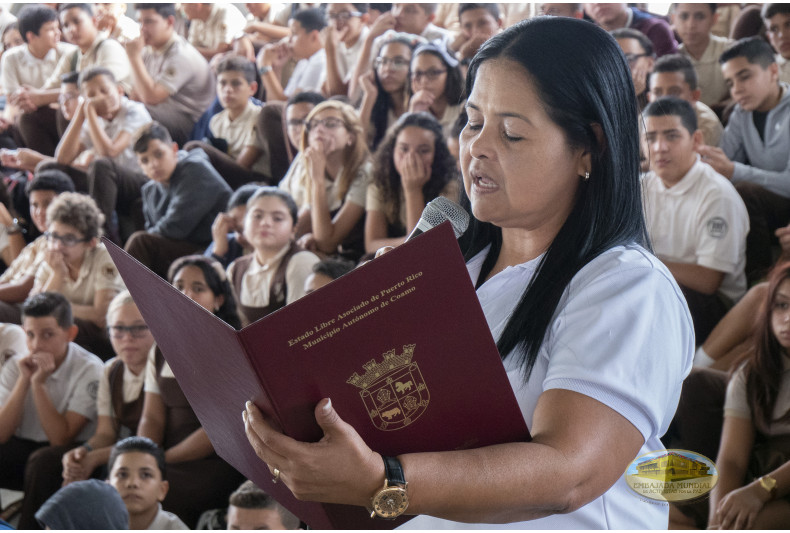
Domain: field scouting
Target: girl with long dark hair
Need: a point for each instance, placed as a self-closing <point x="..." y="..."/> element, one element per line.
<point x="754" y="456"/>
<point x="411" y="167"/>
<point x="385" y="89"/>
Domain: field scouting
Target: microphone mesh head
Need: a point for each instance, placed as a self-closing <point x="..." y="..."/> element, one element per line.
<point x="441" y="209"/>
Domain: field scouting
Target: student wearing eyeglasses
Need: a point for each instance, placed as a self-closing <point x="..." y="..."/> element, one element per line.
<point x="119" y="405"/>
<point x="345" y="37"/>
<point x="385" y="89"/>
<point x="79" y="267"/>
<point x="437" y="84"/>
<point x="333" y="186"/>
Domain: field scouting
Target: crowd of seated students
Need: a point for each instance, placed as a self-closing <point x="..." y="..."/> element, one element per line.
<point x="289" y="145"/>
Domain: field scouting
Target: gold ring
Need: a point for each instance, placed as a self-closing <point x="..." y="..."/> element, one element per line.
<point x="276" y="477"/>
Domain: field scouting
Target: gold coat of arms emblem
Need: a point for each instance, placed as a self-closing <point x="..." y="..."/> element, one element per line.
<point x="393" y="391"/>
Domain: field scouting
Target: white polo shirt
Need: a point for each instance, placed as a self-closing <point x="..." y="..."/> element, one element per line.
<point x="621" y="335"/>
<point x="72" y="387"/>
<point x="20" y="67"/>
<point x="701" y="220"/>
<point x="308" y="75"/>
<point x="240" y="133"/>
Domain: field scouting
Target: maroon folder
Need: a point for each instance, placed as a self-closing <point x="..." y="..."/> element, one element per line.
<point x="400" y="345"/>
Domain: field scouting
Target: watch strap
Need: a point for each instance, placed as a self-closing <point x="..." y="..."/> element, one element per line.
<point x="393" y="471"/>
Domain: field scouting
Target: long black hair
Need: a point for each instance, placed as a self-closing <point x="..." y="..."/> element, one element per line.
<point x="379" y="115"/>
<point x="585" y="86"/>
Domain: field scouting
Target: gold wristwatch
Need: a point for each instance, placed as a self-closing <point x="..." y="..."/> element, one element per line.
<point x="769" y="484"/>
<point x="391" y="500"/>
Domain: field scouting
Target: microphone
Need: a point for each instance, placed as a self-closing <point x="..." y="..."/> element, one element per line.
<point x="437" y="211"/>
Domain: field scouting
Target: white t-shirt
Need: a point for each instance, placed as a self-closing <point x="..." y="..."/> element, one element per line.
<point x="308" y="75"/>
<point x="72" y="387"/>
<point x="130" y="118"/>
<point x="701" y="220"/>
<point x="622" y="335"/>
<point x="347" y="57"/>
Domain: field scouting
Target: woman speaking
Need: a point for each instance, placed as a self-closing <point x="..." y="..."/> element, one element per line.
<point x="594" y="333"/>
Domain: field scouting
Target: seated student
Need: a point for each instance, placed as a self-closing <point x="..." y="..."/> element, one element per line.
<point x="754" y="148"/>
<point x="171" y="78"/>
<point x="414" y="19"/>
<point x="331" y="189"/>
<point x="776" y="18"/>
<point x="103" y="126"/>
<point x="17" y="280"/>
<point x="137" y="470"/>
<point x="28" y="67"/>
<point x="274" y="274"/>
<point x="696" y="221"/>
<point x="325" y="272"/>
<point x="638" y="51"/>
<point x="345" y="37"/>
<point x="237" y="126"/>
<point x="693" y="24"/>
<point x="305" y="46"/>
<point x="119" y="401"/>
<point x="87" y="505"/>
<point x="479" y="22"/>
<point x="251" y="508"/>
<point x="47" y="396"/>
<point x="411" y="167"/>
<point x="212" y="27"/>
<point x="754" y="471"/>
<point x="199" y="479"/>
<point x="673" y="75"/>
<point x="437" y="84"/>
<point x="180" y="202"/>
<point x="227" y="232"/>
<point x="385" y="89"/>
<point x="612" y="17"/>
<point x="93" y="49"/>
<point x="78" y="266"/>
<point x="111" y="18"/>
<point x="119" y="405"/>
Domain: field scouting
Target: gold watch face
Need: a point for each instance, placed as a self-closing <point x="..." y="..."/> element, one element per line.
<point x="390" y="502"/>
<point x="768" y="483"/>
